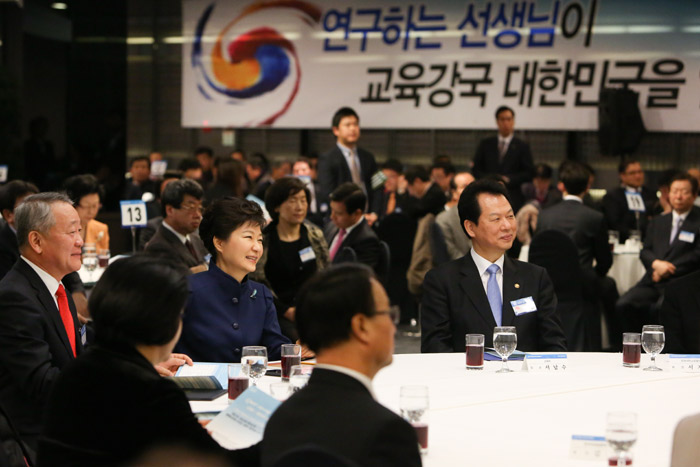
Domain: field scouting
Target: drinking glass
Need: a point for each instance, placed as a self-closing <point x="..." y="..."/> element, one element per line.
<point x="414" y="403"/>
<point x="505" y="340"/>
<point x="291" y="355"/>
<point x="631" y="349"/>
<point x="636" y="237"/>
<point x="237" y="381"/>
<point x="653" y="339"/>
<point x="254" y="362"/>
<point x="621" y="433"/>
<point x="280" y="391"/>
<point x="299" y="376"/>
<point x="475" y="351"/>
<point x="90" y="261"/>
<point x="613" y="239"/>
<point x="103" y="258"/>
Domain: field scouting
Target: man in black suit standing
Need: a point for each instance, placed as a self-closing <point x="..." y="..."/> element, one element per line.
<point x="588" y="231"/>
<point x="680" y="315"/>
<point x="39" y="328"/>
<point x="347" y="162"/>
<point x="631" y="205"/>
<point x="505" y="155"/>
<point x="671" y="250"/>
<point x="176" y="237"/>
<point x="349" y="229"/>
<point x="485" y="288"/>
<point x="341" y="416"/>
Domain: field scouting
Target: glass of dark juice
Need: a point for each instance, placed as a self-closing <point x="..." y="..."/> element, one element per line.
<point x="475" y="351"/>
<point x="631" y="349"/>
<point x="414" y="403"/>
<point x="291" y="355"/>
<point x="237" y="381"/>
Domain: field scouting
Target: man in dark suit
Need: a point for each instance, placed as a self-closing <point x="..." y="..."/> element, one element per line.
<point x="39" y="328"/>
<point x="347" y="162"/>
<point x="505" y="155"/>
<point x="631" y="205"/>
<point x="588" y="231"/>
<point x="485" y="288"/>
<point x="680" y="315"/>
<point x="391" y="198"/>
<point x="176" y="237"/>
<point x="425" y="196"/>
<point x="356" y="340"/>
<point x="349" y="229"/>
<point x="671" y="250"/>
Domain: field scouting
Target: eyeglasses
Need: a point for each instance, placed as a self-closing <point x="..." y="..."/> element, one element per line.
<point x="192" y="208"/>
<point x="394" y="313"/>
<point x="90" y="206"/>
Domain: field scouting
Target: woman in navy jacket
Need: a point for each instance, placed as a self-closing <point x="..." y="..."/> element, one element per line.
<point x="226" y="311"/>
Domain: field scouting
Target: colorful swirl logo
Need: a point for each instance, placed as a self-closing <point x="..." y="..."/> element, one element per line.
<point x="255" y="63"/>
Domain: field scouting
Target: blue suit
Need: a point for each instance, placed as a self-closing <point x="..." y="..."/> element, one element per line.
<point x="222" y="316"/>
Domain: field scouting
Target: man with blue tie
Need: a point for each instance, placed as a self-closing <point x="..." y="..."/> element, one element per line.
<point x="485" y="288"/>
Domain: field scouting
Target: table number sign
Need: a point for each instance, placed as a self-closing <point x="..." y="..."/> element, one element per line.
<point x="546" y="363"/>
<point x="685" y="363"/>
<point x="133" y="213"/>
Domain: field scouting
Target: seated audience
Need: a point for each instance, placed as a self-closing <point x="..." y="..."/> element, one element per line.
<point x="671" y="250"/>
<point x="349" y="229"/>
<point x="139" y="182"/>
<point x="176" y="237"/>
<point x="456" y="242"/>
<point x="191" y="169"/>
<point x="279" y="169"/>
<point x="541" y="191"/>
<point x="680" y="315"/>
<point x="226" y="311"/>
<point x="86" y="193"/>
<point x="228" y="181"/>
<point x="205" y="157"/>
<point x="145" y="234"/>
<point x="293" y="248"/>
<point x="339" y="412"/>
<point x="424" y="196"/>
<point x="475" y="293"/>
<point x="663" y="205"/>
<point x="126" y="407"/>
<point x="631" y="205"/>
<point x="442" y="174"/>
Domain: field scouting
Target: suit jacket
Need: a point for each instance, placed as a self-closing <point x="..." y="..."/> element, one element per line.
<point x="684" y="255"/>
<point x="166" y="243"/>
<point x="587" y="229"/>
<point x="432" y="202"/>
<point x="222" y="316"/>
<point x="34" y="345"/>
<point x="686" y="449"/>
<point x="517" y="165"/>
<point x="680" y="315"/>
<point x="362" y="239"/>
<point x="98" y="234"/>
<point x="333" y="170"/>
<point x="421" y="256"/>
<point x="620" y="218"/>
<point x="345" y="420"/>
<point x="125" y="408"/>
<point x="455" y="304"/>
<point x="458" y="243"/>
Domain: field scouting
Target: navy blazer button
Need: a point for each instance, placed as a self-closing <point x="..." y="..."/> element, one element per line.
<point x="235" y="326"/>
<point x="237" y="350"/>
<point x="235" y="300"/>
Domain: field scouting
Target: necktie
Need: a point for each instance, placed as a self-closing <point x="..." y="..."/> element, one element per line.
<point x="391" y="203"/>
<point x="675" y="228"/>
<point x="501" y="149"/>
<point x="336" y="247"/>
<point x="355" y="169"/>
<point x="190" y="247"/>
<point x="66" y="317"/>
<point x="494" y="293"/>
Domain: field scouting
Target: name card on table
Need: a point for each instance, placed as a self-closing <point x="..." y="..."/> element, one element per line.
<point x="243" y="422"/>
<point x="546" y="363"/>
<point x="685" y="363"/>
<point x="592" y="448"/>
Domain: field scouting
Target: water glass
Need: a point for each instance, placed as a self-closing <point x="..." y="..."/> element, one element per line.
<point x="505" y="340"/>
<point x="475" y="351"/>
<point x="280" y="391"/>
<point x="621" y="433"/>
<point x="254" y="362"/>
<point x="631" y="349"/>
<point x="237" y="381"/>
<point x="414" y="403"/>
<point x="653" y="340"/>
<point x="291" y="355"/>
<point x="299" y="376"/>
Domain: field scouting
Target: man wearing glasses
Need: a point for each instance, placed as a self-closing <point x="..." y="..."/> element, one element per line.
<point x="176" y="237"/>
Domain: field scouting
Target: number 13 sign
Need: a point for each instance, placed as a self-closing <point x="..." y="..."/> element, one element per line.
<point x="133" y="213"/>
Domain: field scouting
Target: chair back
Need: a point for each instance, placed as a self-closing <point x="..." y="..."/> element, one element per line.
<point x="384" y="265"/>
<point x="311" y="455"/>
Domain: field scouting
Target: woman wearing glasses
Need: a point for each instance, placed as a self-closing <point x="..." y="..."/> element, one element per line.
<point x="86" y="193"/>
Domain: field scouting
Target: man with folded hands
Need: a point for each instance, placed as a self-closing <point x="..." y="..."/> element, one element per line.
<point x="336" y="416"/>
<point x="485" y="288"/>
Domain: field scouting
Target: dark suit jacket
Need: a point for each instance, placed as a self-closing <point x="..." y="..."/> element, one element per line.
<point x="587" y="229"/>
<point x="362" y="239"/>
<point x="166" y="243"/>
<point x="620" y="218"/>
<point x="340" y="415"/>
<point x="684" y="255"/>
<point x="455" y="304"/>
<point x="432" y="202"/>
<point x="680" y="315"/>
<point x="34" y="345"/>
<point x="517" y="165"/>
<point x="124" y="408"/>
<point x="333" y="170"/>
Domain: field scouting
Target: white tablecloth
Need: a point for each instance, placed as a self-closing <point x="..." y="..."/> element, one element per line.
<point x="627" y="269"/>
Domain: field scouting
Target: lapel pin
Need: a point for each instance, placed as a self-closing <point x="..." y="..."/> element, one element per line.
<point x="255" y="292"/>
<point x="517" y="286"/>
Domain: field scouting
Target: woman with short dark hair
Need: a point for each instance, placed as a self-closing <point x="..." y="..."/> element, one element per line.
<point x="86" y="193"/>
<point x="110" y="405"/>
<point x="226" y="311"/>
<point x="293" y="248"/>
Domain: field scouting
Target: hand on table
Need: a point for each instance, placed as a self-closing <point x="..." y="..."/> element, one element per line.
<point x="170" y="366"/>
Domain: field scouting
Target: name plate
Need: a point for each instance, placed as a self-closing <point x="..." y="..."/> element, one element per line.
<point x="546" y="363"/>
<point x="133" y="213"/>
<point x="590" y="448"/>
<point x="685" y="363"/>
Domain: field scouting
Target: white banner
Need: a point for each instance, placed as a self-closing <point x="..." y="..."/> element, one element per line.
<point x="438" y="64"/>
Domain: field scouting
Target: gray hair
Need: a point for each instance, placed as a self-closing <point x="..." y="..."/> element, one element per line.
<point x="35" y="214"/>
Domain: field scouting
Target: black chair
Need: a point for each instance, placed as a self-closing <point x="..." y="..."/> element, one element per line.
<point x="346" y="255"/>
<point x="384" y="265"/>
<point x="311" y="455"/>
<point x="13" y="451"/>
<point x="556" y="252"/>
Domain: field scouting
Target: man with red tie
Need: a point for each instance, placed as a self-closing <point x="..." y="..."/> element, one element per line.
<point x="39" y="328"/>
